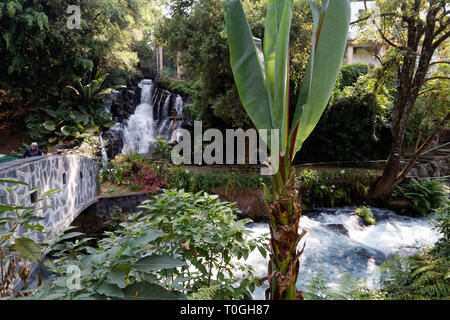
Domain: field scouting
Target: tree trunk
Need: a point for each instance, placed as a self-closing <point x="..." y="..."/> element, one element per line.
<point x="394" y="174"/>
<point x="284" y="213"/>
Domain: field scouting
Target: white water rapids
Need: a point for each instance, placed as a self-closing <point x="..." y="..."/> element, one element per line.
<point x="337" y="242"/>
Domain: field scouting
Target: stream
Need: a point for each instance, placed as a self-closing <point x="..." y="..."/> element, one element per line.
<point x="338" y="242"/>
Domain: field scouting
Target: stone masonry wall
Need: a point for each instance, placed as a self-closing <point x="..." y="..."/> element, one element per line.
<point x="74" y="175"/>
<point x="91" y="220"/>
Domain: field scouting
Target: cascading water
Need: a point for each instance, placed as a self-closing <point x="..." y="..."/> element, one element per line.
<point x="338" y="242"/>
<point x="104" y="154"/>
<point x="152" y="120"/>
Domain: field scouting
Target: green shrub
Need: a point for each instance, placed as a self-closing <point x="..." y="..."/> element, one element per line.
<point x="206" y="234"/>
<point x="181" y="245"/>
<point x="349" y="288"/>
<point x="425" y="195"/>
<point x="184" y="88"/>
<point x="162" y="148"/>
<point x="182" y="178"/>
<point x="330" y="188"/>
<point x="350" y="73"/>
<point x="421" y="276"/>
<point x="21" y="233"/>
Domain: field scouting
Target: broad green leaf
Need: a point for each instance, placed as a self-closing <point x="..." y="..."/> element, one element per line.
<point x="14" y="182"/>
<point x="247" y="68"/>
<point x="28" y="249"/>
<point x="50" y="193"/>
<point x="117" y="277"/>
<point x="109" y="124"/>
<point x="273" y="20"/>
<point x="49" y="125"/>
<point x="51" y="112"/>
<point x="281" y="82"/>
<point x="91" y="128"/>
<point x="329" y="41"/>
<point x="146" y="238"/>
<point x="149" y="291"/>
<point x="70" y="235"/>
<point x="110" y="290"/>
<point x="37" y="227"/>
<point x="157" y="262"/>
<point x="66" y="130"/>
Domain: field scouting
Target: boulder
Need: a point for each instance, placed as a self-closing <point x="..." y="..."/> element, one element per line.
<point x="429" y="169"/>
<point x="413" y="173"/>
<point x="338" y="228"/>
<point x="436" y="170"/>
<point x="115" y="143"/>
<point x="423" y="172"/>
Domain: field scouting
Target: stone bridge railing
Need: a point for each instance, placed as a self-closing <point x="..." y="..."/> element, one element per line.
<point x="74" y="175"/>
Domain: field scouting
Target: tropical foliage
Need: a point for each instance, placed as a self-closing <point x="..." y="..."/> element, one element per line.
<point x="40" y="56"/>
<point x="206" y="234"/>
<point x="425" y="195"/>
<point x="262" y="79"/>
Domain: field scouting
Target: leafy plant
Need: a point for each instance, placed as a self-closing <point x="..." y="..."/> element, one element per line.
<point x="80" y="113"/>
<point x="206" y="234"/>
<point x="180" y="245"/>
<point x="425" y="195"/>
<point x="262" y="79"/>
<point x="328" y="188"/>
<point x="20" y="231"/>
<point x="147" y="180"/>
<point x="424" y="275"/>
<point x="348" y="288"/>
<point x="421" y="276"/>
<point x="162" y="148"/>
<point x="133" y="171"/>
<point x="123" y="266"/>
<point x="366" y="214"/>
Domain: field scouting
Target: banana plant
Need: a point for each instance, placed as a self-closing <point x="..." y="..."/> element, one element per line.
<point x="261" y="73"/>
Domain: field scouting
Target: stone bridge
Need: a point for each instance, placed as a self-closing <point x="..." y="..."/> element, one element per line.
<point x="75" y="176"/>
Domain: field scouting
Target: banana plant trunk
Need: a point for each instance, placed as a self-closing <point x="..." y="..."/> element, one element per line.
<point x="284" y="213"/>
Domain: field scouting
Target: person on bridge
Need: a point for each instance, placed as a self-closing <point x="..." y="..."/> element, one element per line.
<point x="33" y="151"/>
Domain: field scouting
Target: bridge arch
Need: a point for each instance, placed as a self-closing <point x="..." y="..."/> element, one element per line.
<point x="74" y="175"/>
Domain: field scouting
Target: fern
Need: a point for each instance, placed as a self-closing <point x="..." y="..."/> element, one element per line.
<point x="317" y="288"/>
<point x="205" y="293"/>
<point x="421" y="276"/>
<point x="425" y="195"/>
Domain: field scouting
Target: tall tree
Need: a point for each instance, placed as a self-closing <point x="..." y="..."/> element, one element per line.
<point x="191" y="34"/>
<point x="416" y="31"/>
<point x="262" y="79"/>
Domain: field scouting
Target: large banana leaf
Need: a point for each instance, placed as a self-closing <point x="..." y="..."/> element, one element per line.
<point x="331" y="26"/>
<point x="247" y="68"/>
<point x="263" y="87"/>
<point x="276" y="55"/>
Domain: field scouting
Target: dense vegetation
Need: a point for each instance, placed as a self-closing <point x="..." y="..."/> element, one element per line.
<point x="158" y="253"/>
<point x="318" y="187"/>
<point x="40" y="56"/>
<point x="185" y="243"/>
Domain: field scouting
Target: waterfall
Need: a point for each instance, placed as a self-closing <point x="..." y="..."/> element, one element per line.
<point x="138" y="132"/>
<point x="104" y="154"/>
<point x="154" y="117"/>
